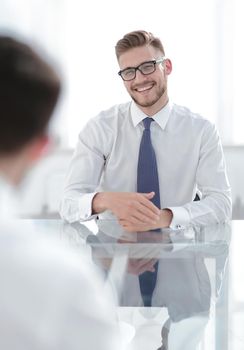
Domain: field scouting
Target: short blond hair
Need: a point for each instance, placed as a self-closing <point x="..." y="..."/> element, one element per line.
<point x="136" y="39"/>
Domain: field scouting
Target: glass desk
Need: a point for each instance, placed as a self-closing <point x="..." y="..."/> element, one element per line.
<point x="198" y="297"/>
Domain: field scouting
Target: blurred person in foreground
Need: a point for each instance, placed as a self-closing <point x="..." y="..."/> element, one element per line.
<point x="105" y="175"/>
<point x="50" y="297"/>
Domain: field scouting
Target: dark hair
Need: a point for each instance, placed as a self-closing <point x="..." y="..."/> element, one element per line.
<point x="29" y="90"/>
<point x="136" y="39"/>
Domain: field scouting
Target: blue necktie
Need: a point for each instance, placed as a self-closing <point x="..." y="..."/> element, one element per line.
<point x="147" y="181"/>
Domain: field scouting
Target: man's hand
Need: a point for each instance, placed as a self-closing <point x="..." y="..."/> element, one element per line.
<point x="128" y="207"/>
<point x="166" y="216"/>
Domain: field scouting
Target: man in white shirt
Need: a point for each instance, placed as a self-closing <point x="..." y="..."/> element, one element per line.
<point x="50" y="296"/>
<point x="102" y="179"/>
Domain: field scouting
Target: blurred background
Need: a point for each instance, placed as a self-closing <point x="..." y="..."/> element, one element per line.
<point x="203" y="38"/>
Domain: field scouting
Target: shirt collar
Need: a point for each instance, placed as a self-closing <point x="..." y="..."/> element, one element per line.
<point x="161" y="117"/>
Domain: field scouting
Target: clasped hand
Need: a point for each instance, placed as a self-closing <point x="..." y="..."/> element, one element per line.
<point x="134" y="211"/>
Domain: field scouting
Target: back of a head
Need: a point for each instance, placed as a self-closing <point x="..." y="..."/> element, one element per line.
<point x="29" y="90"/>
<point x="137" y="38"/>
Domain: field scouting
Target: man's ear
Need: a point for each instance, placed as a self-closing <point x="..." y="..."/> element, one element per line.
<point x="168" y="66"/>
<point x="38" y="147"/>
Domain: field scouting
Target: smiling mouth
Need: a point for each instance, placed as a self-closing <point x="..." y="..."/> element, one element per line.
<point x="144" y="88"/>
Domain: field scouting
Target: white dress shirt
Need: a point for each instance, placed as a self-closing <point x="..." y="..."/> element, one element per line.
<point x="51" y="296"/>
<point x="189" y="158"/>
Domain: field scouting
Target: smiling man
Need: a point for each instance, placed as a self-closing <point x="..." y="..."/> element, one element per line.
<point x="143" y="162"/>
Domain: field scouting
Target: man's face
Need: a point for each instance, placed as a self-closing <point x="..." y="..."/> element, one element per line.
<point x="148" y="91"/>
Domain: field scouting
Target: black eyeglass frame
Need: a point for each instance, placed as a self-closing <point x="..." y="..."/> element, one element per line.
<point x="156" y="61"/>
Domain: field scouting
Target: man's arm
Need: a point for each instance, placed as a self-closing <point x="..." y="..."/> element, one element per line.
<point x="215" y="205"/>
<point x="83" y="176"/>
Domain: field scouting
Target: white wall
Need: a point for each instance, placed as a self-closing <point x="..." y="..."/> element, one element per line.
<point x="203" y="39"/>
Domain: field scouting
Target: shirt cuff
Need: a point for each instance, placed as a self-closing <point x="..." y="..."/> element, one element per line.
<point x="85" y="206"/>
<point x="181" y="217"/>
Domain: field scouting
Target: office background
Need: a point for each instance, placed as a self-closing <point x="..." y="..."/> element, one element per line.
<point x="203" y="38"/>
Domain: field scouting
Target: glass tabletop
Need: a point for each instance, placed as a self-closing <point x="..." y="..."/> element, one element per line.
<point x="196" y="297"/>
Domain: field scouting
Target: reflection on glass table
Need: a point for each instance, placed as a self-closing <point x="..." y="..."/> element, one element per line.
<point x="188" y="300"/>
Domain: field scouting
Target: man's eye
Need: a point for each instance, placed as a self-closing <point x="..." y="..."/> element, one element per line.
<point x="128" y="72"/>
<point x="147" y="67"/>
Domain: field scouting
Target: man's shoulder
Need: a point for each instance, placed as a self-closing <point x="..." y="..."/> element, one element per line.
<point x="186" y="112"/>
<point x="189" y="116"/>
<point x="109" y="120"/>
<point x="115" y="112"/>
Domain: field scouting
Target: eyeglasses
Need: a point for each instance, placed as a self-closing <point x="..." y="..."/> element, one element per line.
<point x="145" y="68"/>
